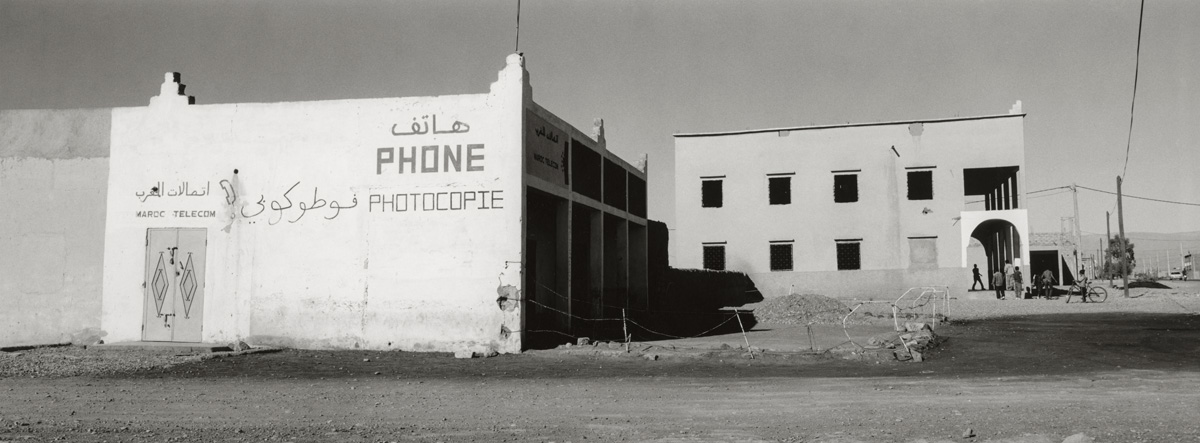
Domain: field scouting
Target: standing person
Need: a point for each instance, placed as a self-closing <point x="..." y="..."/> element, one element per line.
<point x="1082" y="282"/>
<point x="998" y="284"/>
<point x="978" y="280"/>
<point x="1008" y="272"/>
<point x="1018" y="282"/>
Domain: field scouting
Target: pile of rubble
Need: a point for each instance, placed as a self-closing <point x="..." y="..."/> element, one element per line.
<point x="799" y="309"/>
<point x="909" y="344"/>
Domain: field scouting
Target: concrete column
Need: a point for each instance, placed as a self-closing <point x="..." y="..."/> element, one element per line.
<point x="1016" y="200"/>
<point x="1004" y="196"/>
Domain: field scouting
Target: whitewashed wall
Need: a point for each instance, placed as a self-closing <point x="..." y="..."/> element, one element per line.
<point x="412" y="260"/>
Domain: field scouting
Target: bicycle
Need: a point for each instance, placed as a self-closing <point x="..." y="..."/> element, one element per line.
<point x="1094" y="294"/>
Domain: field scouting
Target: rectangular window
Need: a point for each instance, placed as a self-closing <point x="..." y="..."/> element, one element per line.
<point x="779" y="189"/>
<point x="848" y="254"/>
<point x="781" y="255"/>
<point x="712" y="192"/>
<point x="922" y="253"/>
<point x="845" y="188"/>
<point x="714" y="256"/>
<point x="920" y="185"/>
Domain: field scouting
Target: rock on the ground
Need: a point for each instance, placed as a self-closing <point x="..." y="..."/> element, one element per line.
<point x="915" y="326"/>
<point x="1079" y="438"/>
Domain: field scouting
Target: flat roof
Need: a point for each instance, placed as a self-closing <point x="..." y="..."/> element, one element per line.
<point x="846" y="125"/>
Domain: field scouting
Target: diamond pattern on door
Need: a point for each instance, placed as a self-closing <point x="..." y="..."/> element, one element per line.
<point x="159" y="284"/>
<point x="187" y="286"/>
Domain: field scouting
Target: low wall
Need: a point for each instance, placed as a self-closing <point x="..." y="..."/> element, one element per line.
<point x="884" y="284"/>
<point x="53" y="187"/>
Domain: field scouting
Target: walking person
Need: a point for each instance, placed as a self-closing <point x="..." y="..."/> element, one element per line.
<point x="998" y="284"/>
<point x="1047" y="283"/>
<point x="978" y="280"/>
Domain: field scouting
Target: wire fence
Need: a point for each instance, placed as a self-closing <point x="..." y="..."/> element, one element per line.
<point x="931" y="302"/>
<point x="626" y="321"/>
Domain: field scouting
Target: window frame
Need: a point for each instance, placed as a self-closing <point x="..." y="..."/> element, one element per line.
<point x="842" y="173"/>
<point x="787" y="176"/>
<point x="791" y="254"/>
<point x="909" y="174"/>
<point x="857" y="243"/>
<point x="704" y="247"/>
<point x="720" y="190"/>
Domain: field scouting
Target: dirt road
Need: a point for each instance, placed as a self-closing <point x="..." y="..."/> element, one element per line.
<point x="1115" y="376"/>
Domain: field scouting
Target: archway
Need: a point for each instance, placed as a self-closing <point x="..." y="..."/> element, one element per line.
<point x="1002" y="243"/>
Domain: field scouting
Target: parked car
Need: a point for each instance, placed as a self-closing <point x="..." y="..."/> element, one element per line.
<point x="1176" y="275"/>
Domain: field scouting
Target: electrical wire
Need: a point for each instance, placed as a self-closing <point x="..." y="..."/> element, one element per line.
<point x="1133" y="99"/>
<point x="1141" y="198"/>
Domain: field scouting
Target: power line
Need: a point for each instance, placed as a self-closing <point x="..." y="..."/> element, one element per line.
<point x="1047" y="189"/>
<point x="1142" y="198"/>
<point x="1030" y="192"/>
<point x="1133" y="100"/>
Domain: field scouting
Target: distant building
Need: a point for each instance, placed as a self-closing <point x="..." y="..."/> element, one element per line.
<point x="857" y="210"/>
<point x="462" y="222"/>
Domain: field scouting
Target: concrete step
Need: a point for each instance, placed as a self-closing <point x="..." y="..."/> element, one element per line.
<point x="162" y="346"/>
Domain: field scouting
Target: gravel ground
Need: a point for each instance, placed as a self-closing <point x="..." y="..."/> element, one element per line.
<point x="1180" y="297"/>
<point x="1184" y="299"/>
<point x="69" y="361"/>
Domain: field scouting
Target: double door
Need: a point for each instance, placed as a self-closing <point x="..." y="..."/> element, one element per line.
<point x="174" y="299"/>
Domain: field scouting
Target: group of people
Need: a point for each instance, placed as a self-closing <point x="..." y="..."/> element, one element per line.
<point x="1010" y="279"/>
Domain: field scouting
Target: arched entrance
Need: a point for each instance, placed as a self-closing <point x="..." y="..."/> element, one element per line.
<point x="1004" y="236"/>
<point x="1001" y="243"/>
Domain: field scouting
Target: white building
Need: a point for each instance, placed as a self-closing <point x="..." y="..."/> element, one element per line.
<point x="414" y="223"/>
<point x="855" y="211"/>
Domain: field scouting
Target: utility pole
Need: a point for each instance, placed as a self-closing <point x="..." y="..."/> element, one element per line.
<point x="1075" y="198"/>
<point x="1124" y="242"/>
<point x="1108" y="240"/>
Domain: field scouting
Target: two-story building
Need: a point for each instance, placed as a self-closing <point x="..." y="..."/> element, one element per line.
<point x="861" y="210"/>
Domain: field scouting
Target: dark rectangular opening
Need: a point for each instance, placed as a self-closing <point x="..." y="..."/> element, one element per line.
<point x="586" y="266"/>
<point x="920" y="185"/>
<point x="616" y="266"/>
<point x="637" y="196"/>
<point x="614" y="184"/>
<point x="845" y="188"/>
<point x="714" y="257"/>
<point x="712" y="193"/>
<point x="781" y="256"/>
<point x="587" y="168"/>
<point x="779" y="190"/>
<point x="848" y="257"/>
<point x="546" y="274"/>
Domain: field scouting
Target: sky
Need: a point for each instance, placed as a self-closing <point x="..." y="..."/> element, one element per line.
<point x="651" y="69"/>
